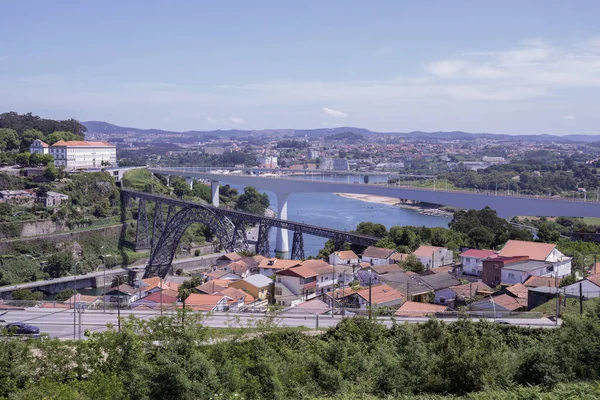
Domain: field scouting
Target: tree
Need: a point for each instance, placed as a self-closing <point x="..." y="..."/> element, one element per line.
<point x="60" y="264"/>
<point x="28" y="137"/>
<point x="547" y="234"/>
<point x="65" y="294"/>
<point x="51" y="172"/>
<point x="180" y="186"/>
<point x="201" y="190"/>
<point x="9" y="140"/>
<point x="26" y="294"/>
<point x="372" y="229"/>
<point x="366" y="179"/>
<point x="119" y="280"/>
<point x="413" y="264"/>
<point x="386" y="243"/>
<point x="23" y="159"/>
<point x="252" y="201"/>
<point x="62" y="135"/>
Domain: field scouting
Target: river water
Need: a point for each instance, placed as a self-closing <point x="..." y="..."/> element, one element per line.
<point x="333" y="211"/>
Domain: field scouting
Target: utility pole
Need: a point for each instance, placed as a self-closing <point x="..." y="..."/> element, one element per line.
<point x="470" y="298"/>
<point x="333" y="292"/>
<point x="557" y="295"/>
<point x="370" y="284"/>
<point x="343" y="297"/>
<point x="119" y="302"/>
<point x="580" y="299"/>
<point x="161" y="290"/>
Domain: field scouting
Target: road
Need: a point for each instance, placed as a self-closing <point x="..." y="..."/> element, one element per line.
<point x="59" y="323"/>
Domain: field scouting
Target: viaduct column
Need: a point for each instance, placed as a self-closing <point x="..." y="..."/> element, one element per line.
<point x="281" y="245"/>
<point x="190" y="181"/>
<point x="214" y="193"/>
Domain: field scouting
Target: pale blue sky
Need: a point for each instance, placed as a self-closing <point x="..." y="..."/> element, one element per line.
<point x="480" y="66"/>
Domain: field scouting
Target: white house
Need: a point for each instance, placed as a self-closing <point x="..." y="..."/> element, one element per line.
<point x="269" y="266"/>
<point x="294" y="285"/>
<point x="83" y="155"/>
<point x="39" y="147"/>
<point x="472" y="260"/>
<point x="433" y="256"/>
<point x="520" y="272"/>
<point x="346" y="257"/>
<point x="377" y="255"/>
<point x="590" y="287"/>
<point x="546" y="252"/>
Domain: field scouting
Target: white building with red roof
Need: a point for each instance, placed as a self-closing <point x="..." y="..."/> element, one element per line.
<point x="472" y="260"/>
<point x="39" y="147"/>
<point x="79" y="154"/>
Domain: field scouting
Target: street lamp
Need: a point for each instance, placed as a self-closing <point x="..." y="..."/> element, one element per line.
<point x="74" y="298"/>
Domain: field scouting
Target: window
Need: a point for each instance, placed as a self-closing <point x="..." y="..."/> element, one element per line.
<point x="511" y="275"/>
<point x="550" y="268"/>
<point x="442" y="300"/>
<point x="278" y="291"/>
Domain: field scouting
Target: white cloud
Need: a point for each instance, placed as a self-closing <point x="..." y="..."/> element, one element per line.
<point x="568" y="117"/>
<point x="334" y="113"/>
<point x="237" y="120"/>
<point x="212" y="120"/>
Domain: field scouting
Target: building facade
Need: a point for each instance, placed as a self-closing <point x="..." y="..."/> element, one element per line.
<point x="74" y="155"/>
<point x="39" y="147"/>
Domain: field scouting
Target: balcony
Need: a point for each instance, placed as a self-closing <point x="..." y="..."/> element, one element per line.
<point x="310" y="285"/>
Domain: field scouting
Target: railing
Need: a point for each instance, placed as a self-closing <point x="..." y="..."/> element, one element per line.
<point x="487" y="192"/>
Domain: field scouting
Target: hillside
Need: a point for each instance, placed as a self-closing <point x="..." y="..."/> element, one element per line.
<point x="105" y="127"/>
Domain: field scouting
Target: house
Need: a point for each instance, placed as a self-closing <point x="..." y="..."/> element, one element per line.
<point x="51" y="199"/>
<point x="39" y="147"/>
<point x="79" y="154"/>
<point x="438" y="283"/>
<point x="269" y="266"/>
<point x="347" y="257"/>
<point x="492" y="268"/>
<point x="433" y="256"/>
<point x="155" y="284"/>
<point x="213" y="286"/>
<point x="543" y="252"/>
<point x="78" y="298"/>
<point x="207" y="302"/>
<point x="257" y="286"/>
<point x="314" y="307"/>
<point x="414" y="309"/>
<point x="237" y="299"/>
<point x="374" y="273"/>
<point x="326" y="278"/>
<point x="540" y="281"/>
<point x="223" y="275"/>
<point x="377" y="255"/>
<point x="239" y="268"/>
<point x="472" y="260"/>
<point x="398" y="257"/>
<point x="380" y="295"/>
<point x="458" y="295"/>
<point x="407" y="283"/>
<point x="294" y="285"/>
<point x="519" y="272"/>
<point x="519" y="292"/>
<point x="590" y="287"/>
<point x="16" y="196"/>
<point x="123" y="294"/>
<point x="502" y="303"/>
<point x="228" y="258"/>
<point x="155" y="300"/>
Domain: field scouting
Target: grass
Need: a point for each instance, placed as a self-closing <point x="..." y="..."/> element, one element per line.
<point x="248" y="332"/>
<point x="571" y="309"/>
<point x="139" y="179"/>
<point x="591" y="220"/>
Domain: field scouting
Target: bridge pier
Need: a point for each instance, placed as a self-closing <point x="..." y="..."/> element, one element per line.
<point x="190" y="181"/>
<point x="214" y="192"/>
<point x="282" y="245"/>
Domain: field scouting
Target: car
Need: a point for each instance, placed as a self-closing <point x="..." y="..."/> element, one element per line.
<point x="21" y="328"/>
<point x="502" y="322"/>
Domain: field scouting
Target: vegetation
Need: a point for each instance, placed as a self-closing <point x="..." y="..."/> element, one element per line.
<point x="252" y="201"/>
<point x="65" y="294"/>
<point x="171" y="357"/>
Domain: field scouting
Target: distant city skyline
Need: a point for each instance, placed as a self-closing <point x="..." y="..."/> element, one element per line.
<point x="512" y="67"/>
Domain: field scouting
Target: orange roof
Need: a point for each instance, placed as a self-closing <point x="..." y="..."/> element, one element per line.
<point x="398" y="257"/>
<point x="595" y="279"/>
<point x="236" y="295"/>
<point x="301" y="271"/>
<point x="205" y="302"/>
<point x="385" y="268"/>
<point x="519" y="290"/>
<point x="82" y="297"/>
<point x="471" y="289"/>
<point x="320" y="267"/>
<point x="426" y="251"/>
<point x="277" y="263"/>
<point x="346" y="255"/>
<point x="381" y="294"/>
<point x="211" y="287"/>
<point x="540" y="281"/>
<point x="440" y="270"/>
<point x="81" y="143"/>
<point x="536" y="251"/>
<point x="231" y="256"/>
<point x="415" y="309"/>
<point x="508" y="302"/>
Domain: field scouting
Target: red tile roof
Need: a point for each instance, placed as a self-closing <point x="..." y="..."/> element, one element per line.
<point x="426" y="251"/>
<point x="478" y="253"/>
<point x="472" y="289"/>
<point x="536" y="251"/>
<point x="300" y="271"/>
<point x="508" y="302"/>
<point x="540" y="281"/>
<point x="381" y="294"/>
<point x="415" y="309"/>
<point x="595" y="279"/>
<point x="346" y="255"/>
<point x="81" y="143"/>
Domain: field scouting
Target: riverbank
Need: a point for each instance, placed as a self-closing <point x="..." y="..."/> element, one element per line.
<point x="392" y="201"/>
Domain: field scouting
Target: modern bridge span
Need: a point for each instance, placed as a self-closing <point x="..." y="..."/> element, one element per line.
<point x="162" y="234"/>
<point x="303" y="181"/>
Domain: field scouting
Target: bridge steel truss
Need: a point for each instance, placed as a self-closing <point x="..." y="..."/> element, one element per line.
<point x="229" y="227"/>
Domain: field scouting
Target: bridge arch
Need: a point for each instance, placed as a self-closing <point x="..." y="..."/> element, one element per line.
<point x="164" y="252"/>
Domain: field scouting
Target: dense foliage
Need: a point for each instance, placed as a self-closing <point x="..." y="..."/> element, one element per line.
<point x="174" y="358"/>
<point x="252" y="201"/>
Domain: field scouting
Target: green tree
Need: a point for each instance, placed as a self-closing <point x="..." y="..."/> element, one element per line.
<point x="180" y="186"/>
<point x="547" y="234"/>
<point x="252" y="201"/>
<point x="60" y="264"/>
<point x="23" y="159"/>
<point x="26" y="294"/>
<point x="62" y="135"/>
<point x="9" y="140"/>
<point x="413" y="264"/>
<point x="28" y="137"/>
<point x="51" y="172"/>
<point x="372" y="229"/>
<point x="386" y="243"/>
<point x="65" y="294"/>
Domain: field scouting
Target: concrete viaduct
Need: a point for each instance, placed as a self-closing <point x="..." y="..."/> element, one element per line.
<point x="283" y="185"/>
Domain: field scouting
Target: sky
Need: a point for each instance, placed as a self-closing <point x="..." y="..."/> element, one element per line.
<point x="511" y="66"/>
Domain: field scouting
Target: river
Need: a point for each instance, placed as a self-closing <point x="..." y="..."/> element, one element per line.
<point x="331" y="210"/>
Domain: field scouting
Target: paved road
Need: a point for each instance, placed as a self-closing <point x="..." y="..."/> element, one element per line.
<point x="59" y="323"/>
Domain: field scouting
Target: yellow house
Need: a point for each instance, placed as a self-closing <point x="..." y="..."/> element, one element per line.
<point x="255" y="285"/>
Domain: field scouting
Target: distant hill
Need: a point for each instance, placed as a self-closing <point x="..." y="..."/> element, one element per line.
<point x="105" y="127"/>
